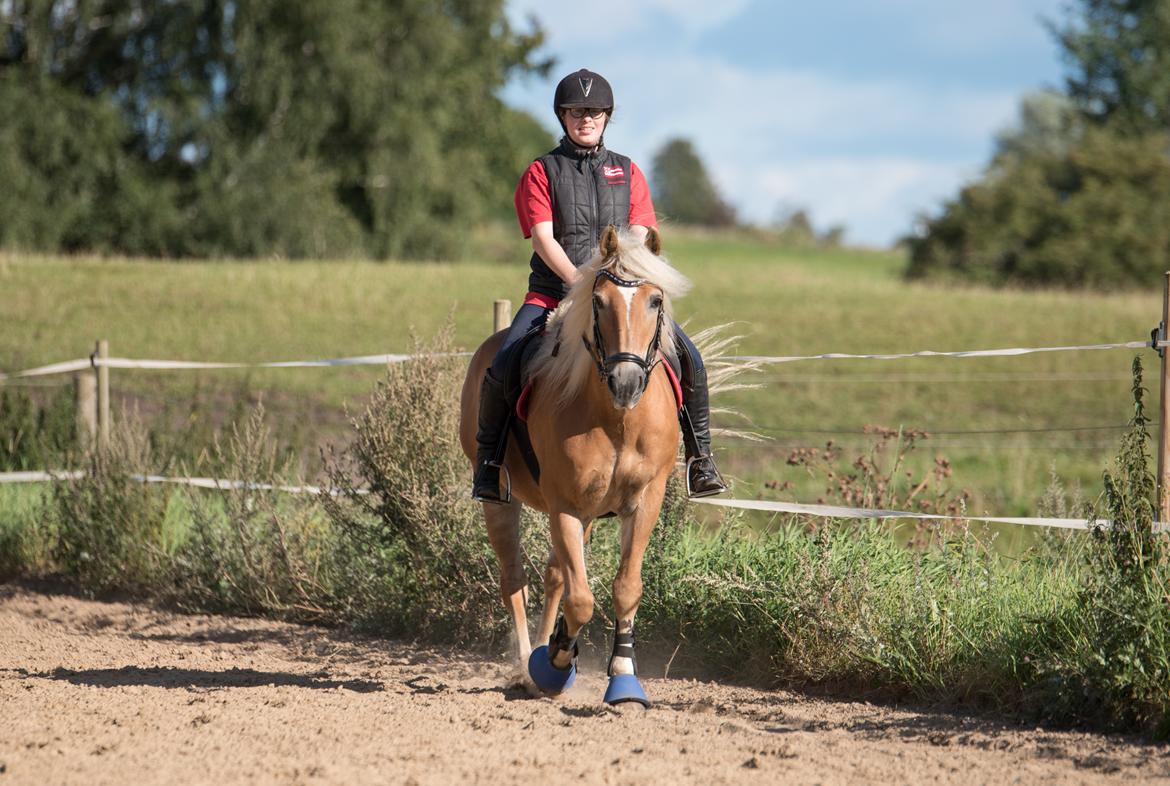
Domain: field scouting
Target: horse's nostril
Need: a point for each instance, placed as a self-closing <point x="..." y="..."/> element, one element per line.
<point x="626" y="388"/>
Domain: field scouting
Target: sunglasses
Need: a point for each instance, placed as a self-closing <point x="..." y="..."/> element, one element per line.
<point x="579" y="112"/>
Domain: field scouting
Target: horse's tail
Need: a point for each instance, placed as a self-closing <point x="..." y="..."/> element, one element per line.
<point x="725" y="374"/>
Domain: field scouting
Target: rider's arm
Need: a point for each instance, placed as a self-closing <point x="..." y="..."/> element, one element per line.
<point x="547" y="247"/>
<point x="641" y="205"/>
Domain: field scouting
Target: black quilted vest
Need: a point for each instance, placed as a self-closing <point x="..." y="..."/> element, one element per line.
<point x="590" y="190"/>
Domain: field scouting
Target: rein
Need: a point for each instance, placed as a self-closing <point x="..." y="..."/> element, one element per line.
<point x="605" y="363"/>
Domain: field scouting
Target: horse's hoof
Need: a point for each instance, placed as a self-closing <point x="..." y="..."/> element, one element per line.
<point x="548" y="677"/>
<point x="625" y="688"/>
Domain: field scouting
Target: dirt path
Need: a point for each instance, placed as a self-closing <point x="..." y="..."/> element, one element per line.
<point x="110" y="693"/>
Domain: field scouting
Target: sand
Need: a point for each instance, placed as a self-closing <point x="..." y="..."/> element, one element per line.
<point x="117" y="693"/>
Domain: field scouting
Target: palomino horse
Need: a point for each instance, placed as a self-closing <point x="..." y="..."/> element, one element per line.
<point x="603" y="423"/>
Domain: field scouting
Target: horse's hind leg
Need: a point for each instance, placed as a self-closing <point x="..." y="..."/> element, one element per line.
<point x="554" y="588"/>
<point x="503" y="527"/>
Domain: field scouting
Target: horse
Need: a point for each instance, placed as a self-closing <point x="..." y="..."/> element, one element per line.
<point x="603" y="424"/>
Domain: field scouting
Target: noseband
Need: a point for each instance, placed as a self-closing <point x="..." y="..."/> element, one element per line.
<point x="605" y="363"/>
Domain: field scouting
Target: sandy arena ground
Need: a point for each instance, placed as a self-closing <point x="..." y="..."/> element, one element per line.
<point x="112" y="693"/>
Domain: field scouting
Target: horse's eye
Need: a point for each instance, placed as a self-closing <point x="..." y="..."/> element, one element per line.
<point x="656" y="302"/>
<point x="597" y="302"/>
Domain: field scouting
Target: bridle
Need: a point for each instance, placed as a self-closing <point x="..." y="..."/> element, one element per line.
<point x="604" y="362"/>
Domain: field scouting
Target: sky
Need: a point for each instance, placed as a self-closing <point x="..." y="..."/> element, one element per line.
<point x="867" y="114"/>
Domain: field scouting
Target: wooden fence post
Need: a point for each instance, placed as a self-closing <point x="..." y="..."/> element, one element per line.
<point x="502" y="315"/>
<point x="1163" y="409"/>
<point x="85" y="388"/>
<point x="103" y="394"/>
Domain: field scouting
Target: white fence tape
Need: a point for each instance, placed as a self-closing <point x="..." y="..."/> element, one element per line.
<point x="70" y="366"/>
<point x="822" y="511"/>
<point x="67" y="367"/>
<point x="967" y="353"/>
<point x="38" y="477"/>
<point x="224" y="485"/>
<point x="203" y="483"/>
<point x="835" y="512"/>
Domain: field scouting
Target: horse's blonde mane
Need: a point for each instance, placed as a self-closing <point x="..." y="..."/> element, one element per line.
<point x="566" y="372"/>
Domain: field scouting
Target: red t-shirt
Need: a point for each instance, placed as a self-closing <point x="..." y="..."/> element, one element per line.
<point x="534" y="203"/>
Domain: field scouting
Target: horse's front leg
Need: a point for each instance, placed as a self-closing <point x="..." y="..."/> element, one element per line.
<point x="627" y="594"/>
<point x="503" y="527"/>
<point x="554" y="669"/>
<point x="554" y="589"/>
<point x="568" y="539"/>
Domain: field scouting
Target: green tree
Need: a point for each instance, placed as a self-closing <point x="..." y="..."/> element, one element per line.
<point x="1093" y="216"/>
<point x="1048" y="125"/>
<point x="322" y="127"/>
<point x="1119" y="55"/>
<point x="1077" y="194"/>
<point x="682" y="189"/>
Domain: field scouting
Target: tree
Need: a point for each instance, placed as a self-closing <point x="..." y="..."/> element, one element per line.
<point x="1119" y="55"/>
<point x="794" y="226"/>
<point x="682" y="189"/>
<point x="1048" y="124"/>
<point x="315" y="128"/>
<point x="1077" y="194"/>
<point x="1093" y="216"/>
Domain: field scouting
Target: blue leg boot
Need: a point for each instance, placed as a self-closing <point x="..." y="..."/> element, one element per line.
<point x="624" y="687"/>
<point x="548" y="677"/>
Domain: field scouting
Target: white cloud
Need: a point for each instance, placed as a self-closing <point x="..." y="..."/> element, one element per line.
<point x="868" y="153"/>
<point x="698" y="15"/>
<point x="875" y="198"/>
<point x="591" y="23"/>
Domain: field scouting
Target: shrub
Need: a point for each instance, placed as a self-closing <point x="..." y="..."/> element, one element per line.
<point x="109" y="525"/>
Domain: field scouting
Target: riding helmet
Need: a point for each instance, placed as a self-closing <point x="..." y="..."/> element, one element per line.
<point x="585" y="89"/>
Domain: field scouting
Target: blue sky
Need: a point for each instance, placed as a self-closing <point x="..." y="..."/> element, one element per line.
<point x="866" y="113"/>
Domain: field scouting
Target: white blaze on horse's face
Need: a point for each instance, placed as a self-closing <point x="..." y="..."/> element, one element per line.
<point x="628" y="321"/>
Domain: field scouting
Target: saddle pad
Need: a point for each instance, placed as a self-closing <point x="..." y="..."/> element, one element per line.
<point x="675" y="385"/>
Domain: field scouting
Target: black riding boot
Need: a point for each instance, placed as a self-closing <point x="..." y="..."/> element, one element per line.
<point x="490" y="442"/>
<point x="703" y="478"/>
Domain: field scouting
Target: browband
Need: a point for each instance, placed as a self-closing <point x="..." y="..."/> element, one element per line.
<point x="621" y="282"/>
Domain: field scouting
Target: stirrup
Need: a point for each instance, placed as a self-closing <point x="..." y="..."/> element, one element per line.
<point x="699" y="495"/>
<point x="503" y="499"/>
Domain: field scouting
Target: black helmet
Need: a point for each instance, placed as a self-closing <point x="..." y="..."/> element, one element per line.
<point x="584" y="89"/>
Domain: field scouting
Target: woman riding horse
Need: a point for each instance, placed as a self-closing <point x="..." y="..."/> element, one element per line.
<point x="603" y="426"/>
<point x="564" y="201"/>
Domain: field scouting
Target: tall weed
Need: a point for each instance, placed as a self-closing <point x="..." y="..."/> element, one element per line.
<point x="252" y="548"/>
<point x="1108" y="659"/>
<point x="412" y="552"/>
<point x="109" y="525"/>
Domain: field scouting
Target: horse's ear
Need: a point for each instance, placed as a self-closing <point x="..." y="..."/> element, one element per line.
<point x="609" y="242"/>
<point x="653" y="241"/>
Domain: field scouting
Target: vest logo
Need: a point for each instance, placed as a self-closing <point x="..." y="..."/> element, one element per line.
<point x="612" y="172"/>
<point x="586" y="85"/>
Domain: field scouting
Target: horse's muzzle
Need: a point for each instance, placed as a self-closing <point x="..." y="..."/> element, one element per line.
<point x="627" y="382"/>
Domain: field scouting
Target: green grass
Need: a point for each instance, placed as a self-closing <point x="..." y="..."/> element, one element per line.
<point x="783" y="301"/>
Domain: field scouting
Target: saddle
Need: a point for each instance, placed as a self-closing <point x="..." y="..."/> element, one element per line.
<point x="518" y="389"/>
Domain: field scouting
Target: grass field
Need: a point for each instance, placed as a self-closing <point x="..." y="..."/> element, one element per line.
<point x="1005" y="424"/>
